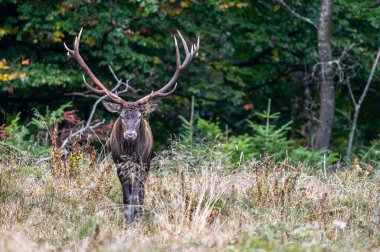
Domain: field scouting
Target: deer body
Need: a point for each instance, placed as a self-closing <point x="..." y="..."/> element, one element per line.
<point x="140" y="149"/>
<point x="132" y="160"/>
<point x="131" y="138"/>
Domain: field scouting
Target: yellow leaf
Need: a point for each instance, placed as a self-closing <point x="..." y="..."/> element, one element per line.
<point x="156" y="61"/>
<point x="184" y="4"/>
<point x="13" y="76"/>
<point x="89" y="41"/>
<point x="3" y="64"/>
<point x="3" y="32"/>
<point x="241" y="5"/>
<point x="57" y="36"/>
<point x="21" y="75"/>
<point x="276" y="7"/>
<point x="223" y="6"/>
<point x="173" y="11"/>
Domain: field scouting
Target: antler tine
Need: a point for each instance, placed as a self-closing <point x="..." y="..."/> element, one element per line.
<point x="197" y="47"/>
<point x="178" y="56"/>
<point x="163" y="94"/>
<point x="77" y="41"/>
<point x="69" y="51"/>
<point x="183" y="43"/>
<point x="97" y="91"/>
<point x="189" y="55"/>
<point x="179" y="67"/>
<point x="101" y="88"/>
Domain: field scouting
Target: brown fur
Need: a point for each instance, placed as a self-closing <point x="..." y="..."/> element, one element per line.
<point x="132" y="160"/>
<point x="140" y="149"/>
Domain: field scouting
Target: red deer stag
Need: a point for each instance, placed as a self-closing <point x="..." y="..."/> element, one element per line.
<point x="131" y="139"/>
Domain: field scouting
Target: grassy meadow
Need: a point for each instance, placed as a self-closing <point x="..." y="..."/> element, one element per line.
<point x="195" y="201"/>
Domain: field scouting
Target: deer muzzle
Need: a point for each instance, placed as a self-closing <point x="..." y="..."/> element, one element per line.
<point x="130" y="135"/>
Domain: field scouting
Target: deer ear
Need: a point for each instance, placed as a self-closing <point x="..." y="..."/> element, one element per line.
<point x="112" y="107"/>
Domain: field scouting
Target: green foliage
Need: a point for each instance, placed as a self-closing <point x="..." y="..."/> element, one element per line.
<point x="250" y="50"/>
<point x="266" y="139"/>
<point x="50" y="119"/>
<point x="18" y="133"/>
<point x="26" y="137"/>
<point x="269" y="136"/>
<point x="209" y="131"/>
<point x="187" y="134"/>
<point x="312" y="158"/>
<point x="371" y="153"/>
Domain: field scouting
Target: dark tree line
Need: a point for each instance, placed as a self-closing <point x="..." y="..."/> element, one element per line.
<point x="305" y="56"/>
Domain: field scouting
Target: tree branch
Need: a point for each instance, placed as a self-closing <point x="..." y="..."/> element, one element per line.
<point x="359" y="104"/>
<point x="88" y="126"/>
<point x="370" y="78"/>
<point x="297" y="15"/>
<point x="351" y="93"/>
<point x="83" y="94"/>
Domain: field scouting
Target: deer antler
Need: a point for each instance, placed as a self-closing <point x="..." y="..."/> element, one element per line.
<point x="102" y="89"/>
<point x="179" y="67"/>
<point x="74" y="53"/>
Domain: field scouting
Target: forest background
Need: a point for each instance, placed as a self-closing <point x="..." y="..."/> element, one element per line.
<point x="251" y="53"/>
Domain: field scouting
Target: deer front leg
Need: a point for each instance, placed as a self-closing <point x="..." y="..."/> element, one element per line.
<point x="127" y="185"/>
<point x="142" y="179"/>
<point x="134" y="195"/>
<point x="141" y="195"/>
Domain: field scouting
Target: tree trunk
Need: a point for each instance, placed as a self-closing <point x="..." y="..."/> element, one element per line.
<point x="326" y="76"/>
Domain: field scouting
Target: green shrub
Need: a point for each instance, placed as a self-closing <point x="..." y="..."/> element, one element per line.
<point x="209" y="131"/>
<point x="25" y="137"/>
<point x="17" y="133"/>
<point x="50" y="119"/>
<point x="371" y="153"/>
<point x="187" y="126"/>
<point x="266" y="139"/>
<point x="312" y="158"/>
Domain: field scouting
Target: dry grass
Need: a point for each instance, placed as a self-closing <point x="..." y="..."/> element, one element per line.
<point x="195" y="201"/>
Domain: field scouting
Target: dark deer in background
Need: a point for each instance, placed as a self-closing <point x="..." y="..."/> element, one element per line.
<point x="131" y="138"/>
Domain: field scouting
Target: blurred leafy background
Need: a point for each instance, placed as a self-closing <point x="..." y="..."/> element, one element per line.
<point x="251" y="51"/>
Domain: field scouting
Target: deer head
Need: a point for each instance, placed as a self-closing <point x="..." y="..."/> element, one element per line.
<point x="130" y="117"/>
<point x="130" y="112"/>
